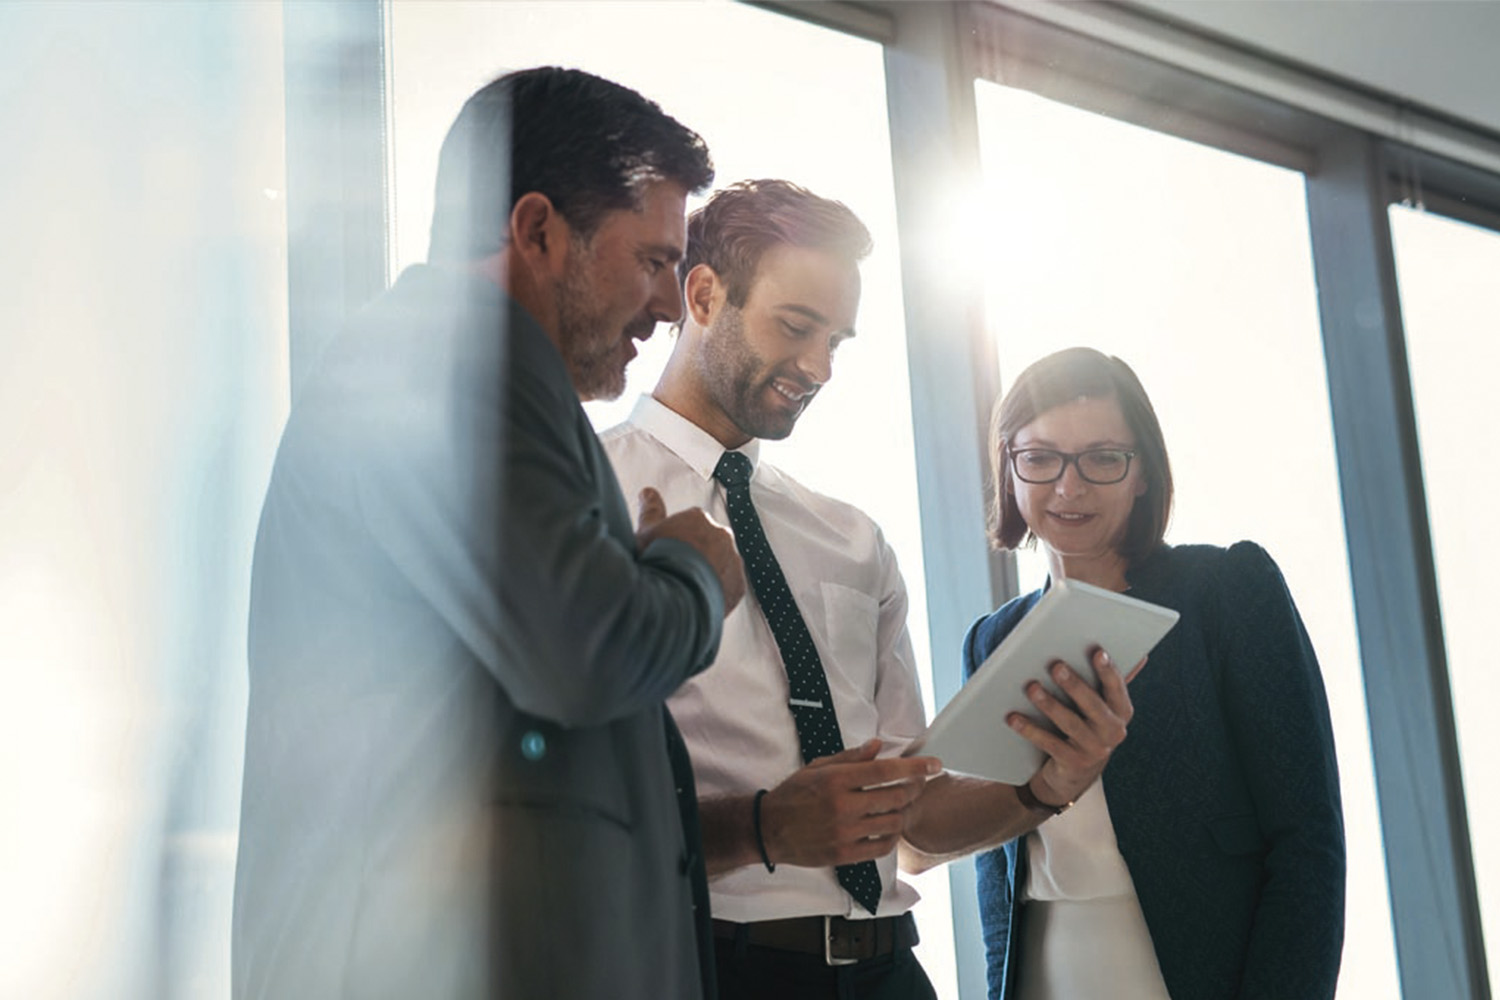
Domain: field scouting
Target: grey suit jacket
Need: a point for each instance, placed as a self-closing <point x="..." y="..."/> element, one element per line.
<point x="457" y="776"/>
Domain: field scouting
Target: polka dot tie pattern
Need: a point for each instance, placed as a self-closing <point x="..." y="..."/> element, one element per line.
<point x="811" y="703"/>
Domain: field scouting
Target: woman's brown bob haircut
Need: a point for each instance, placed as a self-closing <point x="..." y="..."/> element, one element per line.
<point x="1081" y="372"/>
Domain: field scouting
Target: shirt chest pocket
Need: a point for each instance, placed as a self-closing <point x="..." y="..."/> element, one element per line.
<point x="851" y="619"/>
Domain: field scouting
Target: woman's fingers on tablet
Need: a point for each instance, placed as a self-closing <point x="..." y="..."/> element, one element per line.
<point x="1089" y="710"/>
<point x="1112" y="688"/>
<point x="1047" y="742"/>
<point x="1079" y="760"/>
<point x="1095" y="724"/>
<point x="1071" y="722"/>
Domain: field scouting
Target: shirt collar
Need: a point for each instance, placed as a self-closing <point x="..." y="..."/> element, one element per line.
<point x="689" y="442"/>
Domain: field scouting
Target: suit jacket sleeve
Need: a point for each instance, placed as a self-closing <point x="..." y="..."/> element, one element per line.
<point x="1277" y="713"/>
<point x="501" y="509"/>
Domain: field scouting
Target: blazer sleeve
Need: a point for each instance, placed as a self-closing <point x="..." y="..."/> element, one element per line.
<point x="1277" y="713"/>
<point x="507" y="518"/>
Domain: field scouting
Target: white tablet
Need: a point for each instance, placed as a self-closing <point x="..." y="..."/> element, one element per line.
<point x="970" y="734"/>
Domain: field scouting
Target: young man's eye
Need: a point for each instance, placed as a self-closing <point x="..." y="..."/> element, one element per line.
<point x="796" y="331"/>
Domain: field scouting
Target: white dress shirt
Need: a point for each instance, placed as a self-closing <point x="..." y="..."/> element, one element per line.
<point x="734" y="716"/>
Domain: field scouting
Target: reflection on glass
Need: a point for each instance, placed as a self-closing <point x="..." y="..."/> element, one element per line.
<point x="1194" y="266"/>
<point x="1450" y="299"/>
<point x="856" y="441"/>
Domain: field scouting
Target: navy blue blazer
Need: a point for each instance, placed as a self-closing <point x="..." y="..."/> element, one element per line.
<point x="1224" y="796"/>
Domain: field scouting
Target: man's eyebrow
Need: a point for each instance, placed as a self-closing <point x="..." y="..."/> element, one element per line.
<point x="671" y="252"/>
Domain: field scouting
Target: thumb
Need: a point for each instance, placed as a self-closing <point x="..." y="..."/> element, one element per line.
<point x="653" y="509"/>
<point x="865" y="751"/>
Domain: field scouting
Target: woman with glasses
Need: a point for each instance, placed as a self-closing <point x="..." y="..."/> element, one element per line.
<point x="1208" y="860"/>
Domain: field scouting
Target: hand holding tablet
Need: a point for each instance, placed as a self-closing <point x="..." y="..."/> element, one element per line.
<point x="970" y="734"/>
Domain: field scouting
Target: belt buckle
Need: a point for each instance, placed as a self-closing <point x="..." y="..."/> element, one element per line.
<point x="828" y="955"/>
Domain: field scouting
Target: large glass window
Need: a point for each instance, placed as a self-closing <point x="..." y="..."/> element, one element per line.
<point x="786" y="99"/>
<point x="1450" y="299"/>
<point x="1194" y="265"/>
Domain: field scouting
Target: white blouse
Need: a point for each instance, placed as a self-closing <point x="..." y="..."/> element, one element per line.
<point x="1083" y="935"/>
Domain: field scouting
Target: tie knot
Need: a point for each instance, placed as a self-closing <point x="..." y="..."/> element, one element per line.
<point x="733" y="470"/>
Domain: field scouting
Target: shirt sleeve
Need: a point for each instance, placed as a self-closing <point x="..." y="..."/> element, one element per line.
<point x="1277" y="713"/>
<point x="898" y="694"/>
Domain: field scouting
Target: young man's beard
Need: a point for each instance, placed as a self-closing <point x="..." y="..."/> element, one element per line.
<point x="737" y="379"/>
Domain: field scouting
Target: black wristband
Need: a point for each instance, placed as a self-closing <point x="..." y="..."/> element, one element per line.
<point x="1030" y="801"/>
<point x="755" y="819"/>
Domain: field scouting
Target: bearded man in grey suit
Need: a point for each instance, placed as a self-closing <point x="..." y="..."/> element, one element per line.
<point x="460" y="779"/>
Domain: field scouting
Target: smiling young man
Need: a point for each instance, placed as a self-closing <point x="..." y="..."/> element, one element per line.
<point x="793" y="732"/>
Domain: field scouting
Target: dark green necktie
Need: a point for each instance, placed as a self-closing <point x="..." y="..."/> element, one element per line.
<point x="811" y="703"/>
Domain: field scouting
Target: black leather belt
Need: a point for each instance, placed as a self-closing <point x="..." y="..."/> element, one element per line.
<point x="837" y="940"/>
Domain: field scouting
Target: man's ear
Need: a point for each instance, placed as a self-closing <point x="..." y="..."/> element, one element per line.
<point x="704" y="292"/>
<point x="539" y="234"/>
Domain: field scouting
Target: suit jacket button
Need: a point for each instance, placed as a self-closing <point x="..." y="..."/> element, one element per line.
<point x="533" y="746"/>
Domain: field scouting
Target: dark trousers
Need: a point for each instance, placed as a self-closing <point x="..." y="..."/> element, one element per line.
<point x="753" y="973"/>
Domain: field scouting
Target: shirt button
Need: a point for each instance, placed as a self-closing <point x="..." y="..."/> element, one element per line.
<point x="533" y="746"/>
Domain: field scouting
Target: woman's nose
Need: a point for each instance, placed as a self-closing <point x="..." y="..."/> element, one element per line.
<point x="1071" y="482"/>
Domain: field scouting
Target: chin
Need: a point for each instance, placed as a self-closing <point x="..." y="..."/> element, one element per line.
<point x="763" y="423"/>
<point x="772" y="430"/>
<point x="598" y="388"/>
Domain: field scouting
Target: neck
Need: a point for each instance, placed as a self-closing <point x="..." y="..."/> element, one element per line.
<point x="507" y="271"/>
<point x="680" y="390"/>
<point x="1106" y="570"/>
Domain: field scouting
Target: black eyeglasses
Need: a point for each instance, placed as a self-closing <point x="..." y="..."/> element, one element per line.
<point x="1100" y="466"/>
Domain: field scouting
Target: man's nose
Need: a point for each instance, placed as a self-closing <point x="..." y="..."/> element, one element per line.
<point x="816" y="362"/>
<point x="665" y="305"/>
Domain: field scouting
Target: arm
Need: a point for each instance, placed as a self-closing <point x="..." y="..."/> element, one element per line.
<point x="839" y="809"/>
<point x="502" y="518"/>
<point x="1278" y="719"/>
<point x="959" y="815"/>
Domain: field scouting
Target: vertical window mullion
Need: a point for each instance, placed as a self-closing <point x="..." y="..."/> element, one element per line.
<point x="1430" y="867"/>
